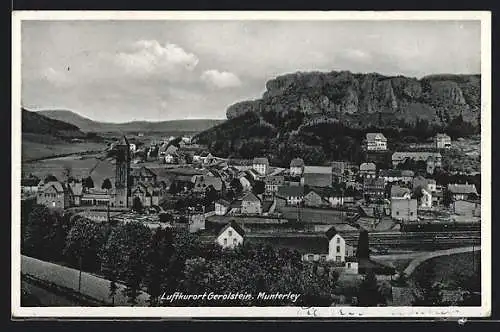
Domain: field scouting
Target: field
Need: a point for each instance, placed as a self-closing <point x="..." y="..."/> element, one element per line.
<point x="37" y="150"/>
<point x="318" y="216"/>
<point x="452" y="270"/>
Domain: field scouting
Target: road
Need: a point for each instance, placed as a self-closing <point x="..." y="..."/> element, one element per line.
<point x="92" y="286"/>
<point x="48" y="298"/>
<point x="420" y="257"/>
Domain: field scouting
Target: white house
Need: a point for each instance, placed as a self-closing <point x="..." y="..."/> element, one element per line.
<point x="230" y="236"/>
<point x="261" y="165"/>
<point x="133" y="147"/>
<point x="221" y="207"/>
<point x="426" y="199"/>
<point x="296" y="167"/>
<point x="442" y="141"/>
<point x="338" y="248"/>
<point x="376" y="142"/>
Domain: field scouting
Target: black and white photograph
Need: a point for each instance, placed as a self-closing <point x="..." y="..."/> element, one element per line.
<point x="251" y="164"/>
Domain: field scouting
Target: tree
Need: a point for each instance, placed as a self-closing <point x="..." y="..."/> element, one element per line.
<point x="166" y="217"/>
<point x="106" y="184"/>
<point x="363" y="251"/>
<point x="369" y="294"/>
<point x="429" y="291"/>
<point x="137" y="204"/>
<point x="211" y="195"/>
<point x="67" y="173"/>
<point x="236" y="185"/>
<point x="88" y="182"/>
<point x="258" y="187"/>
<point x="49" y="178"/>
<point x="174" y="188"/>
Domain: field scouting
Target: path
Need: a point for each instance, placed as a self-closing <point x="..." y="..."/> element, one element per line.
<point x="91" y="285"/>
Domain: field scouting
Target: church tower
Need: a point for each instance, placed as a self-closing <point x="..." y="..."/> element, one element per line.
<point x="122" y="173"/>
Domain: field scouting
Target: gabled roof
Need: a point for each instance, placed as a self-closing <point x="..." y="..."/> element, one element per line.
<point x="76" y="188"/>
<point x="375" y="136"/>
<point x="260" y="161"/>
<point x="462" y="188"/>
<point x="250" y="197"/>
<point x="351" y="241"/>
<point x="143" y="171"/>
<point x="297" y="162"/>
<point x="223" y="202"/>
<point x="58" y="186"/>
<point x="441" y="135"/>
<point x="234" y="225"/>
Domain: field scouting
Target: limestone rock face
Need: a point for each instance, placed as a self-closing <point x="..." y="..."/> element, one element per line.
<point x="334" y="94"/>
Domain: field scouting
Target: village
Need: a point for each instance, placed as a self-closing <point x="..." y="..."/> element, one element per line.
<point x="320" y="211"/>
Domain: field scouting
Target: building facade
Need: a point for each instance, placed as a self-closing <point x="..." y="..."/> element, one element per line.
<point x="376" y="142"/>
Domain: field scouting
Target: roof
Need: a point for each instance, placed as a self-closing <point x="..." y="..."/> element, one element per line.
<point x="261" y="161"/>
<point x="390" y="173"/>
<point x="414" y="154"/>
<point x="318" y="169"/>
<point x="462" y="188"/>
<point x="407" y="173"/>
<point x="142" y="172"/>
<point x="76" y="188"/>
<point x="266" y="205"/>
<point x="351" y="240"/>
<point x="291" y="191"/>
<point x="297" y="162"/>
<point x="441" y="135"/>
<point x="375" y="136"/>
<point x="318" y="179"/>
<point x="235" y="204"/>
<point x="379" y="182"/>
<point x="58" y="186"/>
<point x="398" y="191"/>
<point x="367" y="167"/>
<point x="250" y="197"/>
<point x="234" y="225"/>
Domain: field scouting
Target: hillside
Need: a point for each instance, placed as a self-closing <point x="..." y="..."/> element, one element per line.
<point x="89" y="125"/>
<point x="324" y="116"/>
<point x="35" y="123"/>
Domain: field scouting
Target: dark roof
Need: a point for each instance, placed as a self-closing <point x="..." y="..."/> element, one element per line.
<point x="351" y="238"/>
<point x="462" y="188"/>
<point x="235" y="226"/>
<point x="236" y="204"/>
<point x="266" y="205"/>
<point x="261" y="161"/>
<point x="250" y="197"/>
<point x="223" y="202"/>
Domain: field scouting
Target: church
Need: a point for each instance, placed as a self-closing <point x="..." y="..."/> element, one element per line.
<point x="129" y="184"/>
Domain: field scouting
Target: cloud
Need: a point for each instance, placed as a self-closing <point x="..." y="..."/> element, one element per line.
<point x="150" y="57"/>
<point x="56" y="77"/>
<point x="219" y="79"/>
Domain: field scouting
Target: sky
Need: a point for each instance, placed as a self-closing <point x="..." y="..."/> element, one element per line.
<point x="119" y="71"/>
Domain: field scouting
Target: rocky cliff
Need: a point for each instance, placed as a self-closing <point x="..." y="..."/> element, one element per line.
<point x="356" y="98"/>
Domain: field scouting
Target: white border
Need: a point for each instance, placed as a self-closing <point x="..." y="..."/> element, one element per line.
<point x="264" y="312"/>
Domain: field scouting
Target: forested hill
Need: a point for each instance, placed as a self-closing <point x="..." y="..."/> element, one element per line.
<point x="324" y="116"/>
<point x="34" y="123"/>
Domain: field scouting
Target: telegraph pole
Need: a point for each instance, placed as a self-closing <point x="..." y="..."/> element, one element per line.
<point x="80" y="275"/>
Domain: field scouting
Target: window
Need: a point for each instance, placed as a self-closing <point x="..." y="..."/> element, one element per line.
<point x="234" y="241"/>
<point x="338" y="248"/>
<point x="225" y="242"/>
<point x="230" y="232"/>
<point x="310" y="257"/>
<point x="397" y="213"/>
<point x="338" y="240"/>
<point x="323" y="258"/>
<point x="411" y="213"/>
<point x="338" y="258"/>
<point x="348" y="265"/>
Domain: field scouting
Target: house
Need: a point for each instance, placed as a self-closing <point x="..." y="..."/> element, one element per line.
<point x="404" y="209"/>
<point x="29" y="186"/>
<point x="196" y="222"/>
<point x="221" y="207"/>
<point x="400" y="192"/>
<point x="166" y="149"/>
<point x="469" y="208"/>
<point x="252" y="174"/>
<point x="261" y="165"/>
<point x="442" y="141"/>
<point x="133" y="147"/>
<point x="246" y="185"/>
<point x="374" y="189"/>
<point x="273" y="183"/>
<point x="318" y="176"/>
<point x="401" y="157"/>
<point x="202" y="182"/>
<point x="340" y="247"/>
<point x="462" y="191"/>
<point x="367" y="170"/>
<point x="143" y="174"/>
<point x="426" y="198"/>
<point x="294" y="195"/>
<point x="230" y="236"/>
<point x="376" y="142"/>
<point x="314" y="198"/>
<point x="54" y="194"/>
<point x="251" y="204"/>
<point x="296" y="167"/>
<point x="396" y="175"/>
<point x="149" y="194"/>
<point x="76" y="189"/>
<point x="339" y="171"/>
<point x="205" y="157"/>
